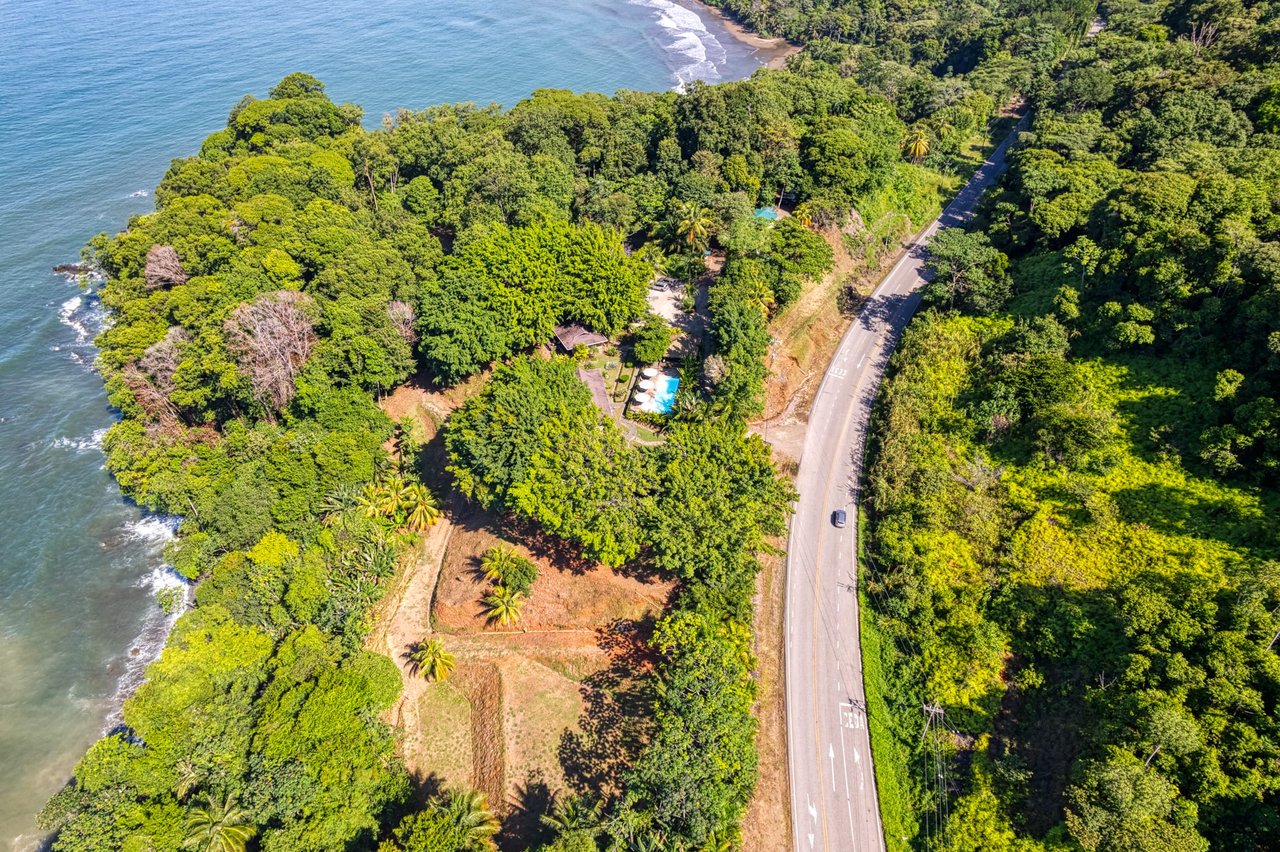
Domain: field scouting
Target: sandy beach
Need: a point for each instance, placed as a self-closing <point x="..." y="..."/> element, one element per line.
<point x="777" y="49"/>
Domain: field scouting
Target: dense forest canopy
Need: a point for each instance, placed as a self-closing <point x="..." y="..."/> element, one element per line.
<point x="1074" y="472"/>
<point x="1073" y="546"/>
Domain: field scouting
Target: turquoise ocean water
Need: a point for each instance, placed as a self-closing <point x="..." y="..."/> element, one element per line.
<point x="95" y="99"/>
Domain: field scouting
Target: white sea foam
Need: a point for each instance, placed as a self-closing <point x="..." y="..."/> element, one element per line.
<point x="689" y="45"/>
<point x="158" y="530"/>
<point x="91" y="444"/>
<point x="84" y="314"/>
<point x="141" y="193"/>
<point x="692" y="41"/>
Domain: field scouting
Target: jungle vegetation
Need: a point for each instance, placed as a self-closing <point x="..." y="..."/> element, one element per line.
<point x="1073" y="547"/>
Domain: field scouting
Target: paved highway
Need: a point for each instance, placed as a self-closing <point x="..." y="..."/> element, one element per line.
<point x="833" y="790"/>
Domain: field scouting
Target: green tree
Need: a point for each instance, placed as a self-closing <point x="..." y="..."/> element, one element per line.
<point x="968" y="272"/>
<point x="570" y="814"/>
<point x="457" y="821"/>
<point x="506" y="606"/>
<point x="218" y="825"/>
<point x="650" y="339"/>
<point x="916" y="143"/>
<point x="419" y="507"/>
<point x="430" y="659"/>
<point x="1120" y="805"/>
<point x="693" y="226"/>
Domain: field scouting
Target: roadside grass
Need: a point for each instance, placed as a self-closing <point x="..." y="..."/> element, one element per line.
<point x="893" y="784"/>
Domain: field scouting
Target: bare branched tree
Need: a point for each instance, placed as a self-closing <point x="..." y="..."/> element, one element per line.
<point x="163" y="268"/>
<point x="1203" y="36"/>
<point x="271" y="338"/>
<point x="715" y="369"/>
<point x="402" y="318"/>
<point x="150" y="378"/>
<point x="160" y="360"/>
<point x="155" y="402"/>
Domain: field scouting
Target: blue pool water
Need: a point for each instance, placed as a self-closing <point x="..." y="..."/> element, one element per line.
<point x="664" y="393"/>
<point x="768" y="213"/>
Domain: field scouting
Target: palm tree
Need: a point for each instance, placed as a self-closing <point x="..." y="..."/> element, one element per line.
<point x="419" y="506"/>
<point x="382" y="500"/>
<point x="431" y="660"/>
<point x="188" y="778"/>
<point x="504" y="605"/>
<point x="370" y="502"/>
<point x="497" y="562"/>
<point x="693" y="225"/>
<point x="721" y="841"/>
<point x="572" y="813"/>
<point x="469" y="811"/>
<point x="334" y="505"/>
<point x="218" y="826"/>
<point x="391" y="502"/>
<point x="652" y="842"/>
<point x="916" y="142"/>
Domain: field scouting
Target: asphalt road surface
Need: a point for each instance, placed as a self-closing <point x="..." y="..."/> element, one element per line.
<point x="833" y="789"/>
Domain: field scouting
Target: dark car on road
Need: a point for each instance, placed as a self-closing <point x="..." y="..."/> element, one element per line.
<point x="838" y="517"/>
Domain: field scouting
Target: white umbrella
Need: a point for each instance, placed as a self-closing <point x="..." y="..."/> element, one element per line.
<point x="646" y="384"/>
<point x="641" y="397"/>
<point x="649" y="372"/>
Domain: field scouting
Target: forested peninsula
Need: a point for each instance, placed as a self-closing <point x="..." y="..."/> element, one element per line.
<point x="1070" y="554"/>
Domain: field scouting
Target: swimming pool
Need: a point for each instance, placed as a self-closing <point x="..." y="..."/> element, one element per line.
<point x="768" y="213"/>
<point x="664" y="394"/>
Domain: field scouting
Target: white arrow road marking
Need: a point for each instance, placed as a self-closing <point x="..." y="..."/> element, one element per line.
<point x="813" y="810"/>
<point x="811" y="840"/>
<point x="831" y="753"/>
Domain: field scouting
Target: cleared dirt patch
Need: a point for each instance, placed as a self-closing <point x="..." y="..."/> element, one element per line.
<point x="767" y="824"/>
<point x="545" y="705"/>
<point x="481" y="683"/>
<point x="570" y="593"/>
<point x="538" y="701"/>
<point x="426" y="406"/>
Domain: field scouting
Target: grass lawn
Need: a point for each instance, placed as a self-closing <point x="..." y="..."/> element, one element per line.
<point x="444" y="732"/>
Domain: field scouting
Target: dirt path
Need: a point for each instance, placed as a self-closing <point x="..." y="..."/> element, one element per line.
<point x="404" y="618"/>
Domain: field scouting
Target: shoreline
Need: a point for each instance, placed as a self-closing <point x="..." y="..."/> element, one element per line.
<point x="779" y="49"/>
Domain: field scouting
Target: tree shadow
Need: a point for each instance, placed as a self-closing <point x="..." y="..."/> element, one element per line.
<point x="1041" y="728"/>
<point x="421" y="790"/>
<point x="1180" y="511"/>
<point x="429" y="465"/>
<point x="615" y="718"/>
<point x="880" y="309"/>
<point x="522" y="827"/>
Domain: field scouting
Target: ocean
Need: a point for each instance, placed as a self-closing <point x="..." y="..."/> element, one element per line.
<point x="95" y="100"/>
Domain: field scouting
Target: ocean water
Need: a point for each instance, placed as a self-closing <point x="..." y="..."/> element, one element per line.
<point x="95" y="99"/>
